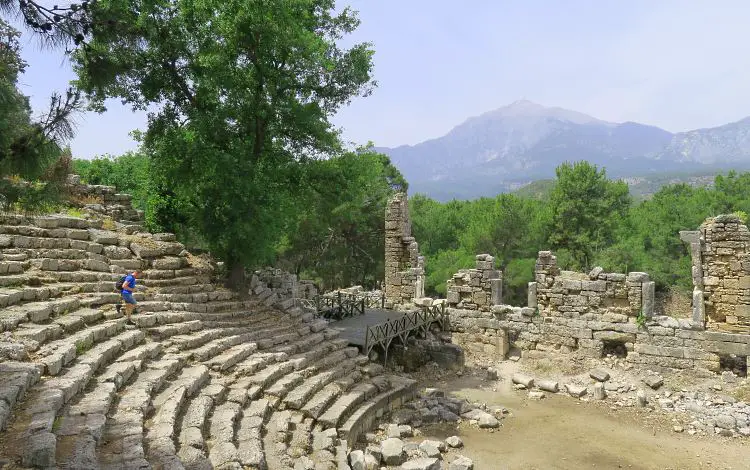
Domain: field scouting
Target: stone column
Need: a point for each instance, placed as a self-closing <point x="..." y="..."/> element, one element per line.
<point x="693" y="238"/>
<point x="648" y="292"/>
<point x="532" y="302"/>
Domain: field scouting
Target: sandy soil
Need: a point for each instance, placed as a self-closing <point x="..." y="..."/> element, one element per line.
<point x="559" y="432"/>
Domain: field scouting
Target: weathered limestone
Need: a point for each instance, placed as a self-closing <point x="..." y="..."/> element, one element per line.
<point x="404" y="266"/>
<point x="565" y="293"/>
<point x="720" y="251"/>
<point x="476" y="289"/>
<point x="79" y="390"/>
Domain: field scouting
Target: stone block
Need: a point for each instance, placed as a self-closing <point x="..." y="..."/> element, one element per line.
<point x="532" y="295"/>
<point x="699" y="310"/>
<point x="647" y="298"/>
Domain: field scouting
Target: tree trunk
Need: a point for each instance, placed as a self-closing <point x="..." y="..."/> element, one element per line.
<point x="236" y="276"/>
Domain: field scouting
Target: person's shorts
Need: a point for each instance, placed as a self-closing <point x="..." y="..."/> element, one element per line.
<point x="128" y="298"/>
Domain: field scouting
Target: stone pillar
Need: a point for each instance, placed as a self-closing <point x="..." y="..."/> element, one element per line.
<point x="496" y="297"/>
<point x="532" y="303"/>
<point x="699" y="309"/>
<point x="404" y="267"/>
<point x="693" y="239"/>
<point x="648" y="293"/>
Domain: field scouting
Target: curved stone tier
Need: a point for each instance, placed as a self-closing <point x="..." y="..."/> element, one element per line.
<point x="201" y="380"/>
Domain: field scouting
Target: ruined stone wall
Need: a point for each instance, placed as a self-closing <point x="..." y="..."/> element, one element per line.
<point x="662" y="342"/>
<point x="404" y="266"/>
<point x="104" y="200"/>
<point x="720" y="250"/>
<point x="476" y="289"/>
<point x="614" y="296"/>
<point x="282" y="284"/>
<point x="599" y="313"/>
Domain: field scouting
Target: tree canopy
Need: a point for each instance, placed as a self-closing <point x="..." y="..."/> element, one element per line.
<point x="243" y="92"/>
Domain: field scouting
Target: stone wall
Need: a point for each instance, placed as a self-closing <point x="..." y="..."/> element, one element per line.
<point x="476" y="289"/>
<point x="282" y="285"/>
<point x="601" y="313"/>
<point x="661" y="342"/>
<point x="615" y="296"/>
<point x="404" y="266"/>
<point x="104" y="200"/>
<point x="720" y="251"/>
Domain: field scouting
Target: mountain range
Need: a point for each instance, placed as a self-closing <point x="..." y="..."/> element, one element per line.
<point x="504" y="149"/>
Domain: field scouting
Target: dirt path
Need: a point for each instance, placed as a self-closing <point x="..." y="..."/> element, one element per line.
<point x="562" y="433"/>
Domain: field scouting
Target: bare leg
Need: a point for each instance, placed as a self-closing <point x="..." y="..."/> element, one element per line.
<point x="128" y="311"/>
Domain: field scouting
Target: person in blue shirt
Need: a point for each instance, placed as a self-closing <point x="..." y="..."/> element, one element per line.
<point x="128" y="286"/>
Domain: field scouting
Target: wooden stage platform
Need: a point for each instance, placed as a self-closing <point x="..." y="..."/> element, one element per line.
<point x="354" y="328"/>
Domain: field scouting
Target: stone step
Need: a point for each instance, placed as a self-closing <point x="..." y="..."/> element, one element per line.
<point x="364" y="417"/>
<point x="122" y="440"/>
<point x="160" y="437"/>
<point x="15" y="296"/>
<point x="257" y="362"/>
<point x="165" y="331"/>
<point x="12" y="267"/>
<point x="36" y="335"/>
<point x="249" y="435"/>
<point x="206" y="307"/>
<point x="271" y="374"/>
<point x="192" y="289"/>
<point x="56" y="354"/>
<point x="300" y="443"/>
<point x="232" y="356"/>
<point x="176" y="282"/>
<point x="307" y="342"/>
<point x="321" y="401"/>
<point x="284" y="384"/>
<point x="299" y="396"/>
<point x="305" y="359"/>
<point x="80" y="430"/>
<point x="35" y="312"/>
<point x="192" y="297"/>
<point x="16" y="378"/>
<point x="346" y="404"/>
<point x="37" y="442"/>
<point x="222" y="450"/>
<point x="83" y="275"/>
<point x="164" y="318"/>
<point x="21" y="280"/>
<point x="194" y="421"/>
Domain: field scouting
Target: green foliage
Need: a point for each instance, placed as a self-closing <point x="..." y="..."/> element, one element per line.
<point x="33" y="166"/>
<point x="128" y="172"/>
<point x="588" y="221"/>
<point x="586" y="210"/>
<point x="641" y="319"/>
<point x="244" y="92"/>
<point x="338" y="234"/>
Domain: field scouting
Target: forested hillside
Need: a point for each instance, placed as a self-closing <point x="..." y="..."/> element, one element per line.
<point x="587" y="219"/>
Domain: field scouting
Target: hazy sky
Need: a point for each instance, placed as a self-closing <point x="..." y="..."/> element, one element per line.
<point x="679" y="65"/>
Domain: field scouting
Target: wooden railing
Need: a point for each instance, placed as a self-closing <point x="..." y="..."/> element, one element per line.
<point x="339" y="306"/>
<point x="419" y="321"/>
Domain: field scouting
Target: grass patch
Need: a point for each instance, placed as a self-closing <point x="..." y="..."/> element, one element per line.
<point x="81" y="348"/>
<point x="109" y="224"/>
<point x="56" y="423"/>
<point x="742" y="393"/>
<point x="75" y="212"/>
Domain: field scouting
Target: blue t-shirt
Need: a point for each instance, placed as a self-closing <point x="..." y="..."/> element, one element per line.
<point x="130" y="281"/>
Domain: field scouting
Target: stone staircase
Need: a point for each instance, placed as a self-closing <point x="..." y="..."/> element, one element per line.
<point x="202" y="380"/>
